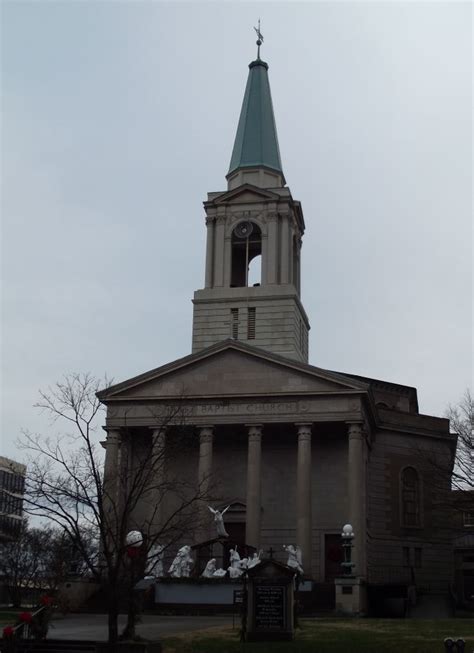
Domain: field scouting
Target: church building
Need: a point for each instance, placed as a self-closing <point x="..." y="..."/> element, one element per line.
<point x="295" y="450"/>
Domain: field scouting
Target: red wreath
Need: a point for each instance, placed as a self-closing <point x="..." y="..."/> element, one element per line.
<point x="46" y="600"/>
<point x="8" y="631"/>
<point x="26" y="617"/>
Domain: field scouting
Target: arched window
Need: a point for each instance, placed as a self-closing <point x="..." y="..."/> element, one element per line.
<point x="246" y="245"/>
<point x="410" y="497"/>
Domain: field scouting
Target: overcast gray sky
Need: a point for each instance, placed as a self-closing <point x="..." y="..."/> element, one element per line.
<point x="119" y="117"/>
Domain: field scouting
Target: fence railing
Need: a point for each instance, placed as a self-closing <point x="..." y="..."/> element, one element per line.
<point x="24" y="630"/>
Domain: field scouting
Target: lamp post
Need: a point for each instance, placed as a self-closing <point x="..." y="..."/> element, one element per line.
<point x="347" y="537"/>
<point x="133" y="545"/>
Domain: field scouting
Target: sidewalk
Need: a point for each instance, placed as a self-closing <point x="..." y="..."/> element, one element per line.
<point x="94" y="626"/>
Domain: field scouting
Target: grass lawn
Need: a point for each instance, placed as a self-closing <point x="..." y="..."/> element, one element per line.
<point x="336" y="636"/>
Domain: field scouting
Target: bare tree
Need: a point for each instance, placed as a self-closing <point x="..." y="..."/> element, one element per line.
<point x="67" y="485"/>
<point x="34" y="562"/>
<point x="461" y="416"/>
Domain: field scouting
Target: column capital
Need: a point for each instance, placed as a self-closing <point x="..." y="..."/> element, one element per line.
<point x="304" y="430"/>
<point x="254" y="428"/>
<point x="158" y="430"/>
<point x="206" y="433"/>
<point x="114" y="435"/>
<point x="354" y="430"/>
<point x="158" y="438"/>
<point x="255" y="432"/>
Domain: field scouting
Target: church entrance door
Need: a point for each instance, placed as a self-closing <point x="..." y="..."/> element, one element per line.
<point x="333" y="557"/>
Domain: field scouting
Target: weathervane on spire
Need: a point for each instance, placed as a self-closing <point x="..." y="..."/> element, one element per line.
<point x="259" y="38"/>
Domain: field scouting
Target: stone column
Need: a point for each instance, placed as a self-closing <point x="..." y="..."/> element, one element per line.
<point x="272" y="249"/>
<point x="112" y="473"/>
<point x="285" y="246"/>
<point x="157" y="463"/>
<point x="264" y="275"/>
<point x="298" y="266"/>
<point x="227" y="261"/>
<point x="219" y="251"/>
<point x="303" y="495"/>
<point x="206" y="438"/>
<point x="254" y="484"/>
<point x="209" y="252"/>
<point x="356" y="494"/>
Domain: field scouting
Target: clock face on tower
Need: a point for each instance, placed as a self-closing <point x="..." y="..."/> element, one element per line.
<point x="243" y="229"/>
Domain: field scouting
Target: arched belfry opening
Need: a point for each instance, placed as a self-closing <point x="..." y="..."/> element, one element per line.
<point x="246" y="246"/>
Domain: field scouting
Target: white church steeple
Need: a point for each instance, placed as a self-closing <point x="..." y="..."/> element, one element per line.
<point x="254" y="224"/>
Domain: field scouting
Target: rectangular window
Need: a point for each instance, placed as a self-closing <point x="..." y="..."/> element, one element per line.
<point x="251" y="323"/>
<point x="406" y="556"/>
<point x="234" y="323"/>
<point x="418" y="558"/>
<point x="468" y="518"/>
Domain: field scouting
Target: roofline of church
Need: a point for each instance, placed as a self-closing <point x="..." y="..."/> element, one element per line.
<point x="106" y="393"/>
<point x="424" y="425"/>
<point x="272" y="194"/>
<point x="382" y="383"/>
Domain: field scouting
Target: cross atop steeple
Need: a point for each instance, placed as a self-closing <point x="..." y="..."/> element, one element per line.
<point x="259" y="38"/>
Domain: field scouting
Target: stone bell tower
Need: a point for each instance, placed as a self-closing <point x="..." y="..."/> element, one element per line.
<point x="255" y="224"/>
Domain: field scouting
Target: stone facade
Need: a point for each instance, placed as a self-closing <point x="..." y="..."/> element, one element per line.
<point x="269" y="314"/>
<point x="304" y="451"/>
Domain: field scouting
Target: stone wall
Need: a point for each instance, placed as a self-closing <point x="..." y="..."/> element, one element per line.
<point x="388" y="537"/>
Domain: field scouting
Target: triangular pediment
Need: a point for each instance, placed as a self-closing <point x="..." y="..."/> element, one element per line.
<point x="246" y="193"/>
<point x="231" y="369"/>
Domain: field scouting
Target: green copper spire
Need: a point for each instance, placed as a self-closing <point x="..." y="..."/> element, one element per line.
<point x="256" y="141"/>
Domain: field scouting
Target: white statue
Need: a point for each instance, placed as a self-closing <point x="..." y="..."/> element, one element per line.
<point x="255" y="559"/>
<point x="235" y="572"/>
<point x="294" y="557"/>
<point x="154" y="562"/>
<point x="219" y="519"/>
<point x="181" y="565"/>
<point x="235" y="569"/>
<point x="219" y="573"/>
<point x="210" y="569"/>
<point x="211" y="572"/>
<point x="234" y="558"/>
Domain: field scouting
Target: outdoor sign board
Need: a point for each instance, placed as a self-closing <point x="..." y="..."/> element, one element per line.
<point x="270" y="610"/>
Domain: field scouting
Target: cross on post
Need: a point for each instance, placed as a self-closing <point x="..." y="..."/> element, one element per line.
<point x="259" y="38"/>
<point x="271" y="552"/>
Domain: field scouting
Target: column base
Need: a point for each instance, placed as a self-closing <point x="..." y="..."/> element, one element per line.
<point x="351" y="596"/>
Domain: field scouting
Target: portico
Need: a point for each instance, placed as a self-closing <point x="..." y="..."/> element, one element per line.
<point x="278" y="444"/>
